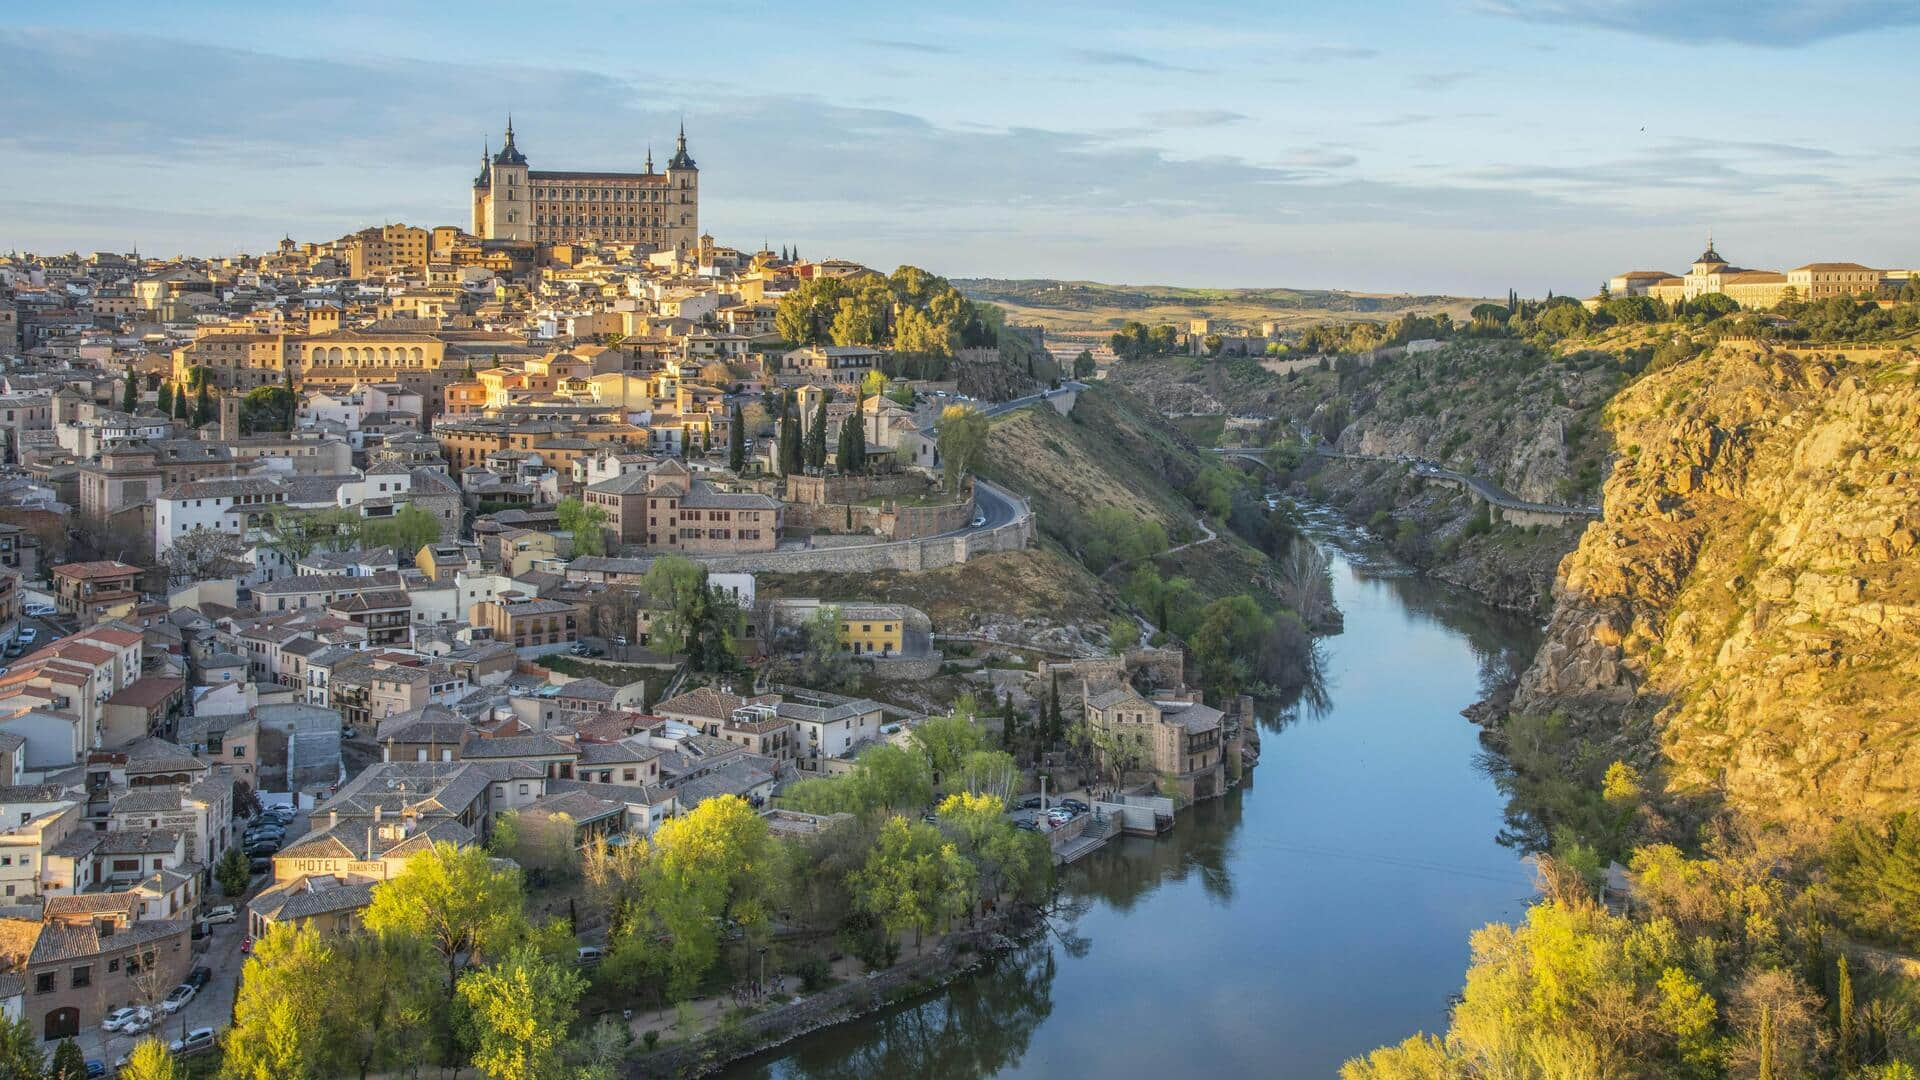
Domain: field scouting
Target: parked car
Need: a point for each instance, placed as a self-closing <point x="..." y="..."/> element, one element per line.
<point x="579" y="648"/>
<point x="246" y="946"/>
<point x="95" y="1068"/>
<point x="1059" y="815"/>
<point x="979" y="520"/>
<point x="221" y="915"/>
<point x="271" y="828"/>
<point x="118" y="1019"/>
<point x="589" y="954"/>
<point x="259" y="864"/>
<point x="178" y="999"/>
<point x="1076" y="806"/>
<point x="27" y="635"/>
<point x="197" y="978"/>
<point x="1031" y="802"/>
<point x="1027" y="825"/>
<point x="349" y="733"/>
<point x="40" y="611"/>
<point x="197" y="1040"/>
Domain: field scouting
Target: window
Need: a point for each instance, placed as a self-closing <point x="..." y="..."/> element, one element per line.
<point x="43" y="983"/>
<point x="83" y="976"/>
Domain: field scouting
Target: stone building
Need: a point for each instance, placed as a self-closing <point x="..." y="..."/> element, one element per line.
<point x="658" y="210"/>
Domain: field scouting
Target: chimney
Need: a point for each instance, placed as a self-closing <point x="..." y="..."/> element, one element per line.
<point x="378" y="813"/>
<point x="333" y="819"/>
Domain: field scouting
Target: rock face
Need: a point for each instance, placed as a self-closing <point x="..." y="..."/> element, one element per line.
<point x="1752" y="599"/>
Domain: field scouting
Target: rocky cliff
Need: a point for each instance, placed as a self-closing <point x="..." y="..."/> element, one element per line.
<point x="1750" y="606"/>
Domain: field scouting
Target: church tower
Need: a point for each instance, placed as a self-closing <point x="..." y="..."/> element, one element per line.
<point x="509" y="204"/>
<point x="683" y="194"/>
<point x="480" y="193"/>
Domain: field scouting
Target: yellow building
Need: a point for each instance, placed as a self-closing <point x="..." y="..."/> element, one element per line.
<point x="873" y="629"/>
<point x="658" y="210"/>
<point x="383" y="250"/>
<point x="1756" y="290"/>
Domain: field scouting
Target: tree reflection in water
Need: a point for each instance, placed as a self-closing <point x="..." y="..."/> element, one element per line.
<point x="977" y="1028"/>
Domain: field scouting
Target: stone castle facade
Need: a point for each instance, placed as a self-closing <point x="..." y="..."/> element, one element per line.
<point x="656" y="210"/>
<point x="1757" y="289"/>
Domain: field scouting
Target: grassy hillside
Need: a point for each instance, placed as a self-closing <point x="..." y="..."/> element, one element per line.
<point x="1091" y="307"/>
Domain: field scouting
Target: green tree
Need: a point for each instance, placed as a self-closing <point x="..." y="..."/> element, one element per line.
<point x="68" y="1062"/>
<point x="873" y="384"/>
<point x="791" y="459"/>
<point x="396" y="1008"/>
<point x="286" y="995"/>
<point x="1005" y="859"/>
<point x="816" y="441"/>
<point x="203" y="405"/>
<point x="406" y="531"/>
<point x="149" y="1060"/>
<point x="1122" y="635"/>
<point x="586" y="522"/>
<point x="518" y="1011"/>
<point x="945" y="741"/>
<point x="695" y="623"/>
<point x="453" y="899"/>
<point x="961" y="436"/>
<point x="129" y="393"/>
<point x="1875" y="866"/>
<point x="1843" y="1049"/>
<point x="1083" y="365"/>
<point x="914" y="879"/>
<point x="268" y="408"/>
<point x="736" y="440"/>
<point x="232" y="872"/>
<point x="850" y="455"/>
<point x="20" y="1055"/>
<point x="164" y="401"/>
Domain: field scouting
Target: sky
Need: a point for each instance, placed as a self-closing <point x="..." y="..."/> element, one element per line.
<point x="1461" y="146"/>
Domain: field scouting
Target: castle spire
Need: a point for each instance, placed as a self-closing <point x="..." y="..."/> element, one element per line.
<point x="649" y="159"/>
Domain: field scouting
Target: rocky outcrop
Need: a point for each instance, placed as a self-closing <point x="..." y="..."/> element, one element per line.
<point x="1752" y="598"/>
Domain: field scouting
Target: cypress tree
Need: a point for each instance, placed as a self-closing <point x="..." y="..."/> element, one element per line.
<point x="203" y="407"/>
<point x="1767" y="1068"/>
<point x="736" y="441"/>
<point x="166" y="398"/>
<point x="129" y="397"/>
<point x="1843" y="1050"/>
<point x="817" y="436"/>
<point x="789" y="439"/>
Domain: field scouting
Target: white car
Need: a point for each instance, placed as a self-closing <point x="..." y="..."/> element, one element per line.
<point x="27" y="635"/>
<point x="40" y="611"/>
<point x="200" y="1038"/>
<point x="589" y="954"/>
<point x="119" y="1019"/>
<point x="178" y="999"/>
<point x="979" y="520"/>
<point x="221" y="915"/>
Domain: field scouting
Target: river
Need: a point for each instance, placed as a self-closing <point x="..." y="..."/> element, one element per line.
<point x="1310" y="915"/>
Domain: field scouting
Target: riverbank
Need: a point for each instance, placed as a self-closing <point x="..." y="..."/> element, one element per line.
<point x="1314" y="911"/>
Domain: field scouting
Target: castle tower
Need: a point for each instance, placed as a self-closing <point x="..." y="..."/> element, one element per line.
<point x="508" y="202"/>
<point x="481" y="189"/>
<point x="683" y="179"/>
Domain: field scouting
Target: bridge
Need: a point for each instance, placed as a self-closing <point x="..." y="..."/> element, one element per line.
<point x="1508" y="507"/>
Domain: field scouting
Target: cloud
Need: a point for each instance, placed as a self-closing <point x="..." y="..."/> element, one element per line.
<point x="1194" y="118"/>
<point x="1439" y="80"/>
<point x="1748" y="168"/>
<point x="1319" y="159"/>
<point x="1114" y="58"/>
<point x="1315" y="54"/>
<point x="924" y="48"/>
<point x="1772" y="23"/>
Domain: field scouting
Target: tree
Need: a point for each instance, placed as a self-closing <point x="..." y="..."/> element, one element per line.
<point x="1083" y="365"/>
<point x="149" y="1061"/>
<point x="1843" y="1007"/>
<point x="518" y="1011"/>
<point x="395" y="1008"/>
<point x="68" y="1062"/>
<point x="284" y="999"/>
<point x="715" y="866"/>
<point x="850" y="455"/>
<point x="406" y="531"/>
<point x="696" y="622"/>
<point x="586" y="522"/>
<point x="203" y="405"/>
<point x="816" y="452"/>
<point x="1122" y="635"/>
<point x="452" y="898"/>
<point x="945" y="741"/>
<point x="129" y="394"/>
<point x="20" y="1053"/>
<point x="873" y="384"/>
<point x="296" y="534"/>
<point x="164" y="400"/>
<point x="914" y="879"/>
<point x="961" y="436"/>
<point x="232" y="872"/>
<point x="268" y="408"/>
<point x="736" y="440"/>
<point x="1876" y="871"/>
<point x="790" y="458"/>
<point x="1005" y="859"/>
<point x="201" y="553"/>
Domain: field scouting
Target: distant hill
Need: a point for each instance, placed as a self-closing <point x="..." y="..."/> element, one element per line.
<point x="1093" y="308"/>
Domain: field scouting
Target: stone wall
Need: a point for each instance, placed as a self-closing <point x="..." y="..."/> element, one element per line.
<point x="831" y="504"/>
<point x="821" y="490"/>
<point x="923" y="554"/>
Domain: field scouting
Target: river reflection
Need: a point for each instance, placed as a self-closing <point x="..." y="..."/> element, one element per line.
<point x="1314" y="913"/>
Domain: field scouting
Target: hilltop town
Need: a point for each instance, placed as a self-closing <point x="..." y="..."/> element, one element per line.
<point x="442" y="543"/>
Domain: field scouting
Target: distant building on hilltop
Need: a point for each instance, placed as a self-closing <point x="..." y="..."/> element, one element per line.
<point x="1755" y="289"/>
<point x="660" y="210"/>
